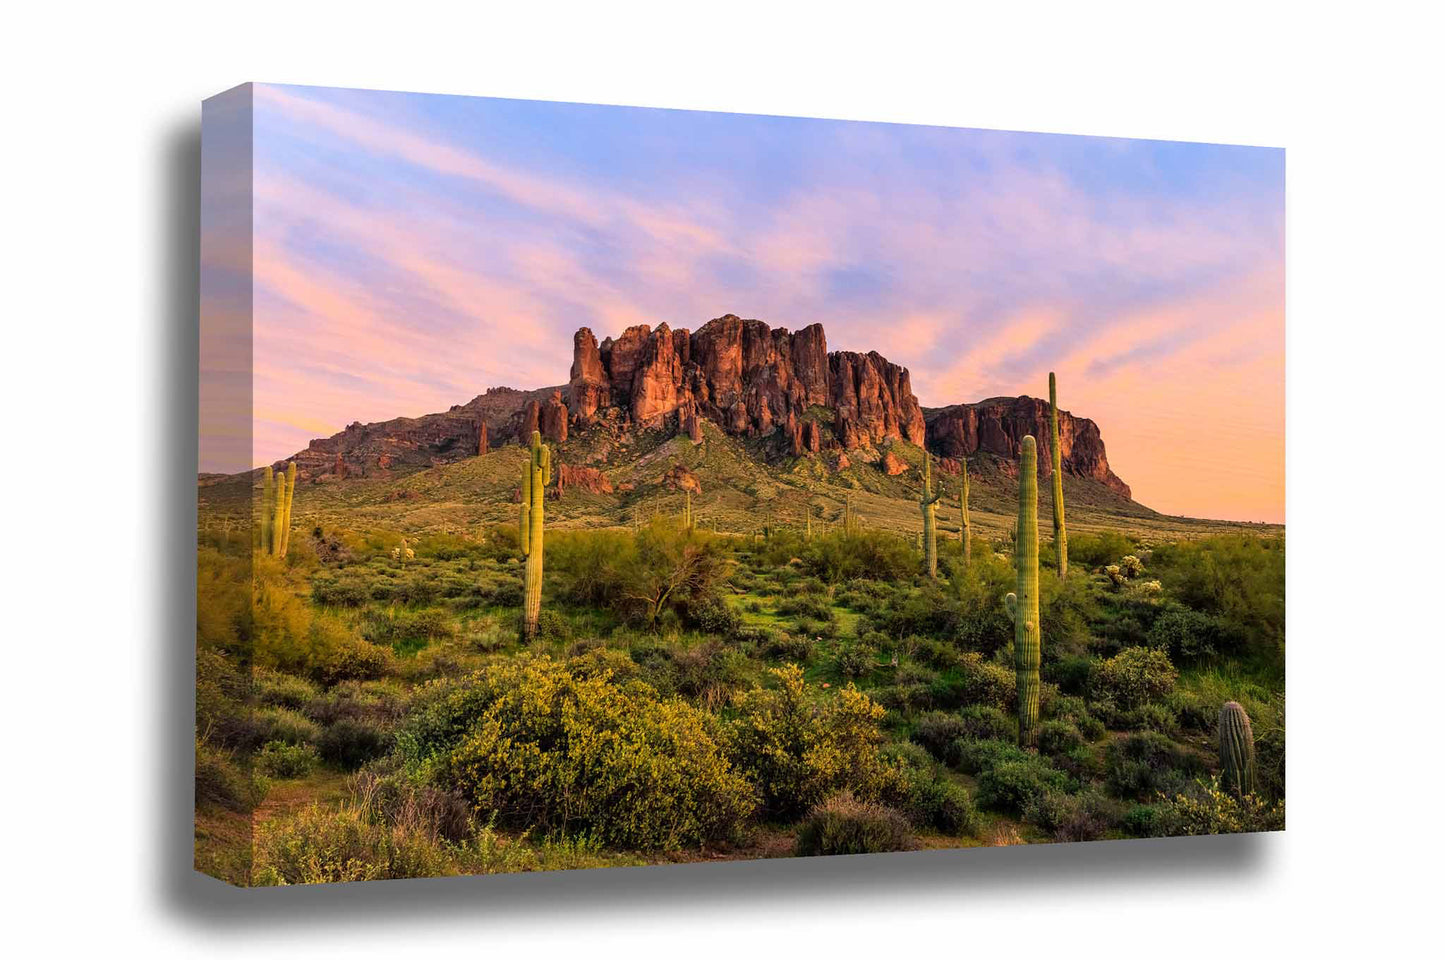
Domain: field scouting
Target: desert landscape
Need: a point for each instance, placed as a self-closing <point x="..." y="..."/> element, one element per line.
<point x="722" y="594"/>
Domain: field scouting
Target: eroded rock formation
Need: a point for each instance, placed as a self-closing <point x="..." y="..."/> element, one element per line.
<point x="748" y="378"/>
<point x="997" y="425"/>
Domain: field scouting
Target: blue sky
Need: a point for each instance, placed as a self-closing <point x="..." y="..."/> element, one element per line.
<point x="412" y="250"/>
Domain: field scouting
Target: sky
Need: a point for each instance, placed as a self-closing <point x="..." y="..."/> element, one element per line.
<point x="411" y="250"/>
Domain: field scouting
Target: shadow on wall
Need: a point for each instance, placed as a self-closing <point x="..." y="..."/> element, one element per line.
<point x="886" y="880"/>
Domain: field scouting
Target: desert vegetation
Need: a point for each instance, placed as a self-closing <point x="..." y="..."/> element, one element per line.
<point x="373" y="703"/>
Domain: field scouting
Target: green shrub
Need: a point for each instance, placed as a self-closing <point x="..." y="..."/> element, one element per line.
<point x="790" y="647"/>
<point x="287" y="726"/>
<point x="1150" y="716"/>
<point x="549" y="748"/>
<point x="349" y="743"/>
<point x="1072" y="674"/>
<point x="1059" y="737"/>
<point x="937" y="731"/>
<point x="1207" y="809"/>
<point x="1097" y="549"/>
<point x="855" y="661"/>
<point x="986" y="683"/>
<point x="286" y="761"/>
<point x="799" y="748"/>
<point x="1010" y="785"/>
<point x="283" y="690"/>
<point x="1142" y="765"/>
<point x="1072" y="818"/>
<point x="1186" y="635"/>
<point x="986" y="723"/>
<point x="937" y="803"/>
<point x="843" y="825"/>
<point x="1136" y="676"/>
<point x="976" y="756"/>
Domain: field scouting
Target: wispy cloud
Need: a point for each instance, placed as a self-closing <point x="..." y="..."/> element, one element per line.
<point x="412" y="251"/>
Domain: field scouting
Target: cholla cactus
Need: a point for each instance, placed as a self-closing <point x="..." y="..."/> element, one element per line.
<point x="1131" y="565"/>
<point x="1023" y="606"/>
<point x="1115" y="575"/>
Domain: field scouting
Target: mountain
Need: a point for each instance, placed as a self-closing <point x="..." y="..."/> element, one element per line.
<point x="760" y="424"/>
<point x="748" y="379"/>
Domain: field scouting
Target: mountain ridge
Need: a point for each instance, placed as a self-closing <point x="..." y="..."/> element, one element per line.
<point x="783" y="388"/>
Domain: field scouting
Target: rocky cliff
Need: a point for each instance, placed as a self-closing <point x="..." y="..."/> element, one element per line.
<point x="997" y="425"/>
<point x="749" y="379"/>
<point x="498" y="416"/>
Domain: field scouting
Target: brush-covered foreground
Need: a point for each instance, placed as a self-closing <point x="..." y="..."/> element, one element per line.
<point x="366" y="709"/>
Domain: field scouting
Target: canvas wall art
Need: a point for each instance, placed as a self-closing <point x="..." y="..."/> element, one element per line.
<point x="590" y="486"/>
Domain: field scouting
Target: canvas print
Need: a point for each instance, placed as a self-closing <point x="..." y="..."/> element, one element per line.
<point x="587" y="486"/>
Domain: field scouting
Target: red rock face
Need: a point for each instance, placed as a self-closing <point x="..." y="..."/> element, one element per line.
<point x="748" y="378"/>
<point x="588" y="388"/>
<point x="996" y="426"/>
<point x="681" y="478"/>
<point x="892" y="465"/>
<point x="582" y="478"/>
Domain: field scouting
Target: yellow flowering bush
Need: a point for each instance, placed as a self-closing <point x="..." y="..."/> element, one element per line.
<point x="546" y="746"/>
<point x="799" y="749"/>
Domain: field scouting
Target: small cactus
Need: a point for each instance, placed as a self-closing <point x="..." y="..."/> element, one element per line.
<point x="1023" y="606"/>
<point x="1236" y="749"/>
<point x="268" y="498"/>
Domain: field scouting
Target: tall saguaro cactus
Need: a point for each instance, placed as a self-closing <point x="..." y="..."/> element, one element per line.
<point x="534" y="487"/>
<point x="1023" y="605"/>
<point x="285" y="509"/>
<point x="1236" y="749"/>
<point x="927" y="505"/>
<point x="963" y="511"/>
<point x="687" y="512"/>
<point x="268" y="514"/>
<point x="1061" y="536"/>
<point x="277" y="491"/>
<point x="848" y="515"/>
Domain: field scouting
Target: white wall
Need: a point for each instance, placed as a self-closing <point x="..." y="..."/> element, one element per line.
<point x="102" y="119"/>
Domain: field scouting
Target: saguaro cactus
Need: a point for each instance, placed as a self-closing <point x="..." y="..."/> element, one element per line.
<point x="277" y="491"/>
<point x="687" y="512"/>
<point x="534" y="487"/>
<point x="1023" y="605"/>
<point x="1236" y="749"/>
<point x="963" y="511"/>
<point x="268" y="514"/>
<point x="1061" y="536"/>
<point x="927" y="505"/>
<point x="286" y="521"/>
<point x="848" y="515"/>
<point x="808" y="524"/>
